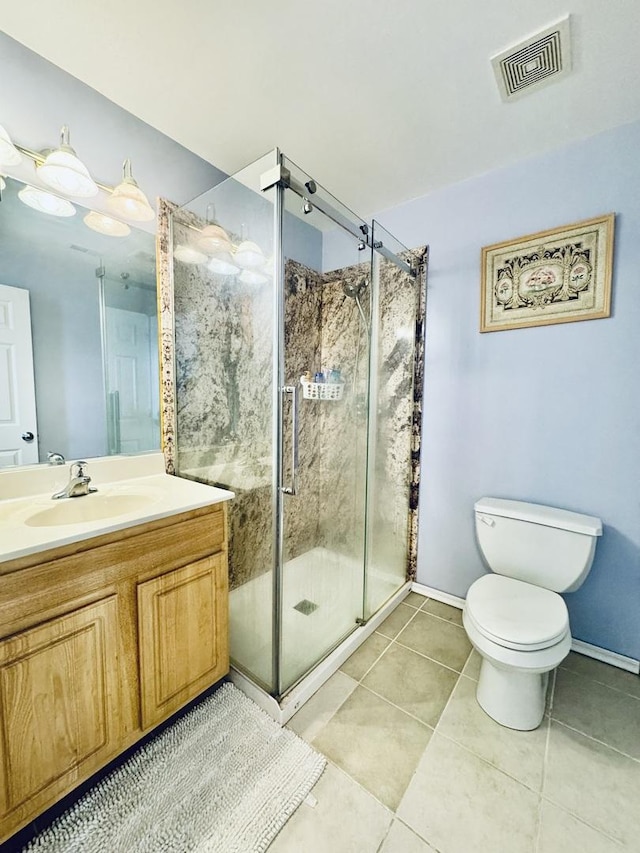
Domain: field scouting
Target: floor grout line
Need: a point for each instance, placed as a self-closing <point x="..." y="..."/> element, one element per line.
<point x="581" y="676"/>
<point x="594" y="739"/>
<point x="382" y="653"/>
<point x="581" y="820"/>
<point x="544" y="763"/>
<point x="398" y="708"/>
<point x="433" y="660"/>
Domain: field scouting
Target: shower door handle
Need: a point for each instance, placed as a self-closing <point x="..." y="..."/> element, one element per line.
<point x="293" y="390"/>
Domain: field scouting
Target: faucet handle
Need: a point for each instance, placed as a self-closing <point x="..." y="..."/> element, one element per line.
<point x="55" y="458"/>
<point x="81" y="465"/>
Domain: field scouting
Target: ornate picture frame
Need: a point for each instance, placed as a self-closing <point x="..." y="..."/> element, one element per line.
<point x="558" y="276"/>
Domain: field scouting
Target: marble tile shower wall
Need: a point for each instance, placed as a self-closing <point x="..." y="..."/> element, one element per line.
<point x="223" y="356"/>
<point x="223" y="361"/>
<point x="399" y="302"/>
<point x="303" y="349"/>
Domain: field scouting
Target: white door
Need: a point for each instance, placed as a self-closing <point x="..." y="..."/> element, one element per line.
<point x="130" y="380"/>
<point x="18" y="427"/>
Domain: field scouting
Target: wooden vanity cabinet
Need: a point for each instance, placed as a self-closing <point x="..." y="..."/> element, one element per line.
<point x="100" y="641"/>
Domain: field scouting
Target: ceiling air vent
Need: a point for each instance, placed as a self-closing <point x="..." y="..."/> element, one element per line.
<point x="535" y="62"/>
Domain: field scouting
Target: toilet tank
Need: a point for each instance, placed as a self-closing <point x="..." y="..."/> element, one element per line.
<point x="552" y="548"/>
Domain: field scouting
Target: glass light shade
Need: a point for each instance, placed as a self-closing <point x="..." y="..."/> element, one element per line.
<point x="188" y="255"/>
<point x="46" y="202"/>
<point x="64" y="172"/>
<point x="252" y="277"/>
<point x="213" y="239"/>
<point x="223" y="264"/>
<point x="106" y="225"/>
<point x="9" y="154"/>
<point x="249" y="255"/>
<point x="128" y="201"/>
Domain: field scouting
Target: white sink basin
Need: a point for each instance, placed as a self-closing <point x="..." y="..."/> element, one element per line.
<point x="31" y="522"/>
<point x="93" y="507"/>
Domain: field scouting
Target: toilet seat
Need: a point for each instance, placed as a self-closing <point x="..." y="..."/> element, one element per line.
<point x="515" y="614"/>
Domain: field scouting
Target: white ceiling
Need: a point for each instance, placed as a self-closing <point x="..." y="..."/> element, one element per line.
<point x="381" y="101"/>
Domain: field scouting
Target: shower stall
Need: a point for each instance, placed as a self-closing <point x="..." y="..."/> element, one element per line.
<point x="295" y="332"/>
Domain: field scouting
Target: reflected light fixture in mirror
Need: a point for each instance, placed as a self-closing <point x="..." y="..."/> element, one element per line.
<point x="128" y="201"/>
<point x="106" y="225"/>
<point x="188" y="255"/>
<point x="45" y="202"/>
<point x="252" y="277"/>
<point x="222" y="264"/>
<point x="213" y="239"/>
<point x="248" y="254"/>
<point x="9" y="154"/>
<point x="64" y="172"/>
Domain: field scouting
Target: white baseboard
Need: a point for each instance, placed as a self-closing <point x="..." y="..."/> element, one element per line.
<point x="438" y="595"/>
<point x="612" y="658"/>
<point x="582" y="648"/>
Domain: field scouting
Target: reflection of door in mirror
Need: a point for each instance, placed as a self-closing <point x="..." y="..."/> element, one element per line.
<point x="131" y="362"/>
<point x="18" y="430"/>
<point x="61" y="262"/>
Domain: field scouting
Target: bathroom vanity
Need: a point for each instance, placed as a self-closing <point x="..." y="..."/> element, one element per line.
<point x="107" y="627"/>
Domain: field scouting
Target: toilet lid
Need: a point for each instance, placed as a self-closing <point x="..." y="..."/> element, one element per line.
<point x="516" y="614"/>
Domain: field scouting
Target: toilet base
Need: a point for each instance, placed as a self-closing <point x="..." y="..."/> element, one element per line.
<point x="511" y="697"/>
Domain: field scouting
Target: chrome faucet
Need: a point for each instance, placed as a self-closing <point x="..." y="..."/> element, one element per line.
<point x="78" y="484"/>
<point x="55" y="458"/>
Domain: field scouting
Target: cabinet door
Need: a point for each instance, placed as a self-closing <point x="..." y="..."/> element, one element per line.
<point x="59" y="705"/>
<point x="183" y="635"/>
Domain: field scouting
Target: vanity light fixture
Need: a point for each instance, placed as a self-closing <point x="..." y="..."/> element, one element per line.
<point x="106" y="225"/>
<point x="46" y="202"/>
<point x="64" y="172"/>
<point x="188" y="255"/>
<point x="9" y="154"/>
<point x="128" y="201"/>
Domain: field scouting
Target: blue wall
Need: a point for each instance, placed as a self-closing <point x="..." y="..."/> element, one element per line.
<point x="548" y="414"/>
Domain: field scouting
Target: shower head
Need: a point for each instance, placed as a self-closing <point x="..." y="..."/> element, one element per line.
<point x="353" y="289"/>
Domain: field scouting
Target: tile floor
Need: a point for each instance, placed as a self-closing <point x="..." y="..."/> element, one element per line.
<point x="415" y="765"/>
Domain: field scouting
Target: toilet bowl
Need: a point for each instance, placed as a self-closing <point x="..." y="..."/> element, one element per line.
<point x="515" y="618"/>
<point x="522" y="633"/>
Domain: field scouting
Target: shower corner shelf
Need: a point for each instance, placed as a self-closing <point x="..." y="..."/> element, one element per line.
<point x="322" y="390"/>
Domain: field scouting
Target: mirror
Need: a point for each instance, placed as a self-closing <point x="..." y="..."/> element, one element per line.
<point x="92" y="314"/>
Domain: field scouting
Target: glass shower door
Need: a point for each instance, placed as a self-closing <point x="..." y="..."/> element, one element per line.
<point x="324" y="418"/>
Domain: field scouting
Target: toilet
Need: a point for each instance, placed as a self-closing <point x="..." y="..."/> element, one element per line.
<point x="515" y="617"/>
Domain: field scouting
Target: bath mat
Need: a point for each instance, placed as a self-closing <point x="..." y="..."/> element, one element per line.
<point x="222" y="779"/>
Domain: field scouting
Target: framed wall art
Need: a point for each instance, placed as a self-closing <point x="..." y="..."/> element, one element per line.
<point x="557" y="276"/>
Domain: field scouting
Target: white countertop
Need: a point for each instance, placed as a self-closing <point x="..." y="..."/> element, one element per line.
<point x="153" y="496"/>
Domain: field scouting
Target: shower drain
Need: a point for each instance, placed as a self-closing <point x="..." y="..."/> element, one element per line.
<point x="305" y="606"/>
